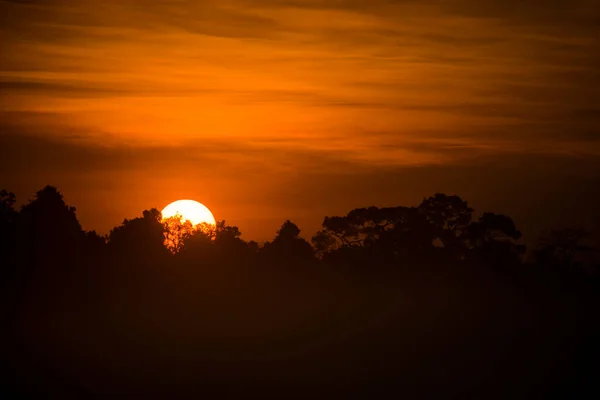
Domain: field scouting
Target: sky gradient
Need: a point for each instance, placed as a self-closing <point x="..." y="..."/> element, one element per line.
<point x="266" y="110"/>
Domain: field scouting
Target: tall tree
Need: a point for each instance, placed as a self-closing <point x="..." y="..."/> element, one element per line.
<point x="409" y="235"/>
<point x="142" y="238"/>
<point x="177" y="232"/>
<point x="386" y="230"/>
<point x="450" y="216"/>
<point x="227" y="240"/>
<point x="288" y="245"/>
<point x="496" y="237"/>
<point x="48" y="227"/>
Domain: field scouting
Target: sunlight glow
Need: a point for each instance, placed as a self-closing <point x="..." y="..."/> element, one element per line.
<point x="189" y="210"/>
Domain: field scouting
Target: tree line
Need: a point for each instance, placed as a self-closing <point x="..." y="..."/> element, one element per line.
<point x="441" y="229"/>
<point x="426" y="301"/>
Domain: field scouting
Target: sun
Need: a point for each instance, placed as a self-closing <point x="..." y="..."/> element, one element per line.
<point x="189" y="210"/>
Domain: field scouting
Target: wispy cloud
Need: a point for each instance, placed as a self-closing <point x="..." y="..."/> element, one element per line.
<point x="283" y="88"/>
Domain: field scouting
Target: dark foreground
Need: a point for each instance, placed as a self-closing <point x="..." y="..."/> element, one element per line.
<point x="411" y="302"/>
<point x="220" y="331"/>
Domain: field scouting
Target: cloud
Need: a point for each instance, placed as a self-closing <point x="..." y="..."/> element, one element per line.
<point x="253" y="92"/>
<point x="542" y="13"/>
<point x="258" y="184"/>
<point x="75" y="21"/>
<point x="87" y="89"/>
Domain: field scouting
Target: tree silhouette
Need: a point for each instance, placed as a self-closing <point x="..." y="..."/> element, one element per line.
<point x="495" y="227"/>
<point x="199" y="243"/>
<point x="353" y="230"/>
<point x="409" y="236"/>
<point x="450" y="216"/>
<point x="564" y="248"/>
<point x="7" y="203"/>
<point x="48" y="228"/>
<point x="253" y="247"/>
<point x="48" y="213"/>
<point x="288" y="231"/>
<point x="324" y="242"/>
<point x="496" y="237"/>
<point x="94" y="243"/>
<point x="386" y="231"/>
<point x="343" y="232"/>
<point x="289" y="245"/>
<point x="8" y="229"/>
<point x="227" y="240"/>
<point x="177" y="232"/>
<point x="129" y="308"/>
<point x="141" y="238"/>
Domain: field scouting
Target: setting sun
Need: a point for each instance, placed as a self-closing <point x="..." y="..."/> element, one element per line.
<point x="189" y="210"/>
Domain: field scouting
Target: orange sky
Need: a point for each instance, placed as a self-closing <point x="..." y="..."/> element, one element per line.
<point x="266" y="110"/>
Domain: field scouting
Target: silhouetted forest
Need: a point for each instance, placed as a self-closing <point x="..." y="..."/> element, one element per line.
<point x="425" y="301"/>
